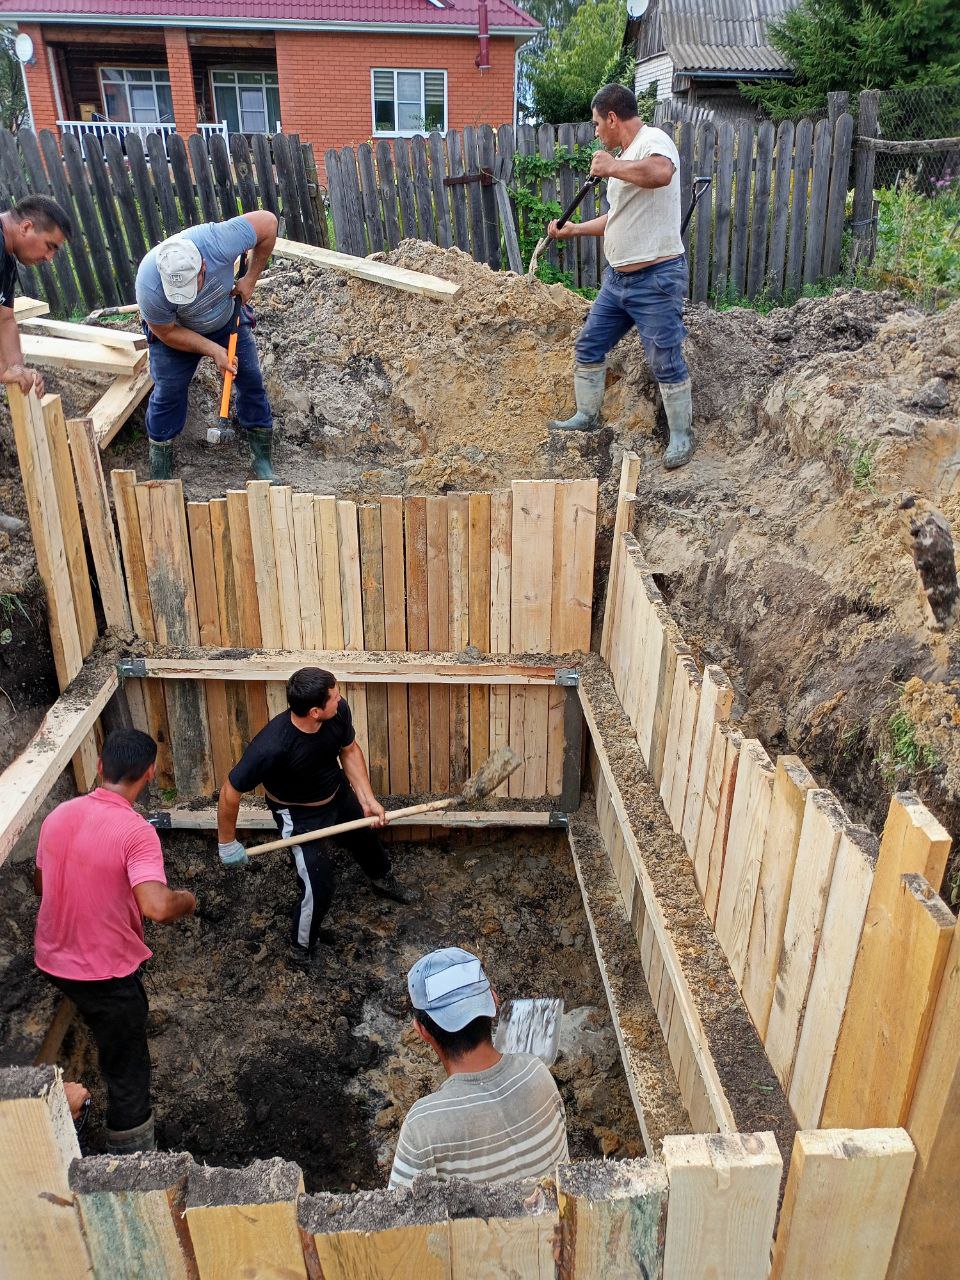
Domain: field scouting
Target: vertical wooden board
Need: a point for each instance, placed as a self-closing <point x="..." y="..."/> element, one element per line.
<point x="208" y="619"/>
<point x="626" y="493"/>
<point x="791" y="782"/>
<point x="501" y="541"/>
<point x="328" y="564"/>
<point x="745" y="839"/>
<point x="723" y="202"/>
<point x="132" y="1233"/>
<point x="351" y="595"/>
<point x="615" y="1228"/>
<point x="913" y="841"/>
<point x="141" y="612"/>
<point x="396" y="1253"/>
<point x="655" y="665"/>
<point x="741" y="211"/>
<point x="722" y="1205"/>
<point x="799" y="183"/>
<point x="530" y="620"/>
<point x="284" y="543"/>
<point x="308" y="571"/>
<point x="489" y="1248"/>
<point x="248" y="608"/>
<point x="40" y="1232"/>
<point x="823" y="823"/>
<point x="844" y="1195"/>
<point x="418" y="638"/>
<point x="374" y="637"/>
<point x="760" y="214"/>
<point x="265" y="563"/>
<point x="923" y="1250"/>
<point x="837" y="199"/>
<point x="716" y="700"/>
<point x="395" y="638"/>
<point x="238" y="729"/>
<point x="819" y="190"/>
<point x="781" y="209"/>
<point x="259" y="1240"/>
<point x="670" y="657"/>
<point x="717" y="854"/>
<point x="458" y="595"/>
<point x="479" y="557"/>
<point x="706" y="154"/>
<point x="438" y="633"/>
<point x="832" y="973"/>
<point x="679" y="771"/>
<point x="678" y="695"/>
<point x="99" y="522"/>
<point x="166" y="547"/>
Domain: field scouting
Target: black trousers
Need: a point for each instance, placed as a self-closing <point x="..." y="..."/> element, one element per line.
<point x="312" y="862"/>
<point x="116" y="1011"/>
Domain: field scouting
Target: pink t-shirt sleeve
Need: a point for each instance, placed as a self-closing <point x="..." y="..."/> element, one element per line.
<point x="144" y="857"/>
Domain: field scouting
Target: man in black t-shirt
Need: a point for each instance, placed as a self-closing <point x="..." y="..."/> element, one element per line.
<point x="314" y="775"/>
<point x="32" y="232"/>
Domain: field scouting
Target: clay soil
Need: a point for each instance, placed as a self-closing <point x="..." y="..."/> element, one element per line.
<point x="254" y="1057"/>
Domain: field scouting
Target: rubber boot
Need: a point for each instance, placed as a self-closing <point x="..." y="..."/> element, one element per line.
<point x="589" y="382"/>
<point x="124" y="1142"/>
<point x="161" y="459"/>
<point x="260" y="440"/>
<point x="678" y="406"/>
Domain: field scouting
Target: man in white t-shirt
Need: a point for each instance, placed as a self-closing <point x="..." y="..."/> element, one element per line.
<point x="645" y="283"/>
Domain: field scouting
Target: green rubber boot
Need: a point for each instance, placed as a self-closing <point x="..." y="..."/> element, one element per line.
<point x="589" y="382"/>
<point x="161" y="459"/>
<point x="260" y="440"/>
<point x="124" y="1142"/>
<point x="678" y="406"/>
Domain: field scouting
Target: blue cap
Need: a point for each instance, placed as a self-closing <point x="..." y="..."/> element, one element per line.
<point x="452" y="987"/>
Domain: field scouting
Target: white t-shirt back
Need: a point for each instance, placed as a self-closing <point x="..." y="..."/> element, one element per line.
<point x="644" y="222"/>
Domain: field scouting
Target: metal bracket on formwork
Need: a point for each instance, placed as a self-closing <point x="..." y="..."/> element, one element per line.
<point x="161" y="821"/>
<point x="568" y="677"/>
<point x="558" y="819"/>
<point x="129" y="667"/>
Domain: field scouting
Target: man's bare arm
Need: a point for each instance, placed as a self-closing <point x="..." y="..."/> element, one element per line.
<point x="265" y="225"/>
<point x="12" y="368"/>
<point x="355" y="767"/>
<point x="157" y="902"/>
<point x="650" y="172"/>
<point x="569" y="230"/>
<point x="228" y="807"/>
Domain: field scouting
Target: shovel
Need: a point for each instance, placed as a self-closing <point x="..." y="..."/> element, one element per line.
<point x="530" y="1026"/>
<point x="488" y="777"/>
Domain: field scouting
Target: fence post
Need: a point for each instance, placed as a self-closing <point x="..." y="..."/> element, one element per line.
<point x="837" y="104"/>
<point x="864" y="166"/>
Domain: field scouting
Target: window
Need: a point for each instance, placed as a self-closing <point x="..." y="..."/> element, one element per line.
<point x="408" y="102"/>
<point x="249" y="101"/>
<point x="138" y="94"/>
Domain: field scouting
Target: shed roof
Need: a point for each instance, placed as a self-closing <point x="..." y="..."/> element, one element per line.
<point x="722" y="35"/>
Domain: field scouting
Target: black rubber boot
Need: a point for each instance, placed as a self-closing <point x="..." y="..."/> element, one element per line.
<point x="260" y="440"/>
<point x="589" y="383"/>
<point x="678" y="406"/>
<point x="389" y="886"/>
<point x="124" y="1142"/>
<point x="161" y="459"/>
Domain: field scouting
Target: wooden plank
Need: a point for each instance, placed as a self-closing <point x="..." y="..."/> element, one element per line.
<point x="741" y="212"/>
<point x="117" y="403"/>
<point x="248" y="609"/>
<point x="73" y="270"/>
<point x="837" y="199"/>
<point x="479" y="632"/>
<point x="471" y="163"/>
<point x="105" y="337"/>
<point x="823" y="823"/>
<point x="685" y="147"/>
<point x="27" y="308"/>
<point x="355" y="239"/>
<point x="819" y="191"/>
<point x="386" y="668"/>
<point x="912" y="842"/>
<point x="388" y="189"/>
<point x="203" y="176"/>
<point x="722" y="1207"/>
<point x="228" y="618"/>
<point x="370" y="198"/>
<point x="723" y="198"/>
<point x="25" y="783"/>
<point x="422" y="190"/>
<point x="328" y="557"/>
<point x="408" y="206"/>
<point x="87" y="219"/>
<point x="166" y="195"/>
<point x="531" y="597"/>
<point x="364" y="269"/>
<point x="244" y="1221"/>
<point x="123" y="484"/>
<point x="345" y="1248"/>
<point x="395" y="637"/>
<point x="706" y="154"/>
<point x="781" y="209"/>
<point x="923" y="1250"/>
<point x="486" y="157"/>
<point x="222" y="176"/>
<point x="492" y="1246"/>
<point x="106" y="207"/>
<point x="791" y="782"/>
<point x="745" y="839"/>
<point x="263" y="163"/>
<point x="62" y="353"/>
<point x="69" y="507"/>
<point x="656" y="668"/>
<point x="131" y="212"/>
<point x="166" y="548"/>
<point x="281" y="512"/>
<point x="718" y="789"/>
<point x="458" y="568"/>
<point x="612" y="1219"/>
<point x="845" y="1191"/>
<point x="832" y="973"/>
<point x="501" y="543"/>
<point x="677" y="767"/>
<point x="40" y="1232"/>
<point x="760" y="213"/>
<point x="629" y="476"/>
<point x="799" y="182"/>
<point x="243" y="167"/>
<point x="418" y="640"/>
<point x="716" y="700"/>
<point x="438" y="171"/>
<point x="265" y="563"/>
<point x="458" y="194"/>
<point x="308" y="571"/>
<point x="371" y="580"/>
<point x="351" y="600"/>
<point x="438" y="631"/>
<point x="208" y="620"/>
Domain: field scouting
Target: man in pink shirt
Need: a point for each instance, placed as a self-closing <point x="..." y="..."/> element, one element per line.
<point x="99" y="872"/>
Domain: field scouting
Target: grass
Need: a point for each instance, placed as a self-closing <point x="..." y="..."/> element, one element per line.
<point x="765" y="302"/>
<point x="905" y="754"/>
<point x="859" y="458"/>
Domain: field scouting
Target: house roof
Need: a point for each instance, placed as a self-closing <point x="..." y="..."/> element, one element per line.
<point x="722" y="35"/>
<point x="505" y="17"/>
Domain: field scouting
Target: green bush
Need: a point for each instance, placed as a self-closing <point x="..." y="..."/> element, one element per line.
<point x="918" y="241"/>
<point x="578" y="60"/>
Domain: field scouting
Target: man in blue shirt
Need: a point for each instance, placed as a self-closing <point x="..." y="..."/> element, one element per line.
<point x="187" y="294"/>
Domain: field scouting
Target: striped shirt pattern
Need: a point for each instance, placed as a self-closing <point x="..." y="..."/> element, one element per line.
<point x="498" y="1125"/>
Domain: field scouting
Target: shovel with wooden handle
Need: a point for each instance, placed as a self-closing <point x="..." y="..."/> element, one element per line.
<point x="496" y="770"/>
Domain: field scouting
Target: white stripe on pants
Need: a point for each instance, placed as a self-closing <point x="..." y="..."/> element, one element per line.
<point x="306" y="906"/>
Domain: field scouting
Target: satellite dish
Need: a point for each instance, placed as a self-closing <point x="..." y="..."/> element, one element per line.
<point x="23" y="48"/>
<point x="637" y="8"/>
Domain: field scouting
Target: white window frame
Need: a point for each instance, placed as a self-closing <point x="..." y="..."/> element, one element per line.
<point x="158" y="75"/>
<point x="272" y="126"/>
<point x="421" y="72"/>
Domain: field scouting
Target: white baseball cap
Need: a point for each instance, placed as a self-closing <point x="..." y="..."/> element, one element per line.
<point x="179" y="263"/>
<point x="451" y="986"/>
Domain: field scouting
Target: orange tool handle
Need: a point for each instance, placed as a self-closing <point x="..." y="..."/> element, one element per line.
<point x="228" y="377"/>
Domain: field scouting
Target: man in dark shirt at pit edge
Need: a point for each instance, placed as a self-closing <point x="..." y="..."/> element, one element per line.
<point x="314" y="775"/>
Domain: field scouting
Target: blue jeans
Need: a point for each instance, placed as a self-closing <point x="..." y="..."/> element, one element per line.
<point x="172" y="372"/>
<point x="652" y="299"/>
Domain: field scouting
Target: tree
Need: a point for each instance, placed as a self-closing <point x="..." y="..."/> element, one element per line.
<point x="577" y="60"/>
<point x="13" y="98"/>
<point x="859" y="44"/>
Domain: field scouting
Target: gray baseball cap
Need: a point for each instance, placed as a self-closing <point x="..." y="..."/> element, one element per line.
<point x="179" y="262"/>
<point x="452" y="987"/>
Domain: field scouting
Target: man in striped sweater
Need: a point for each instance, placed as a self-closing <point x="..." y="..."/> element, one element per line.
<point x="497" y="1117"/>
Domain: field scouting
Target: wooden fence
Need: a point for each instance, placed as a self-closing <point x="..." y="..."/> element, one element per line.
<point x="772" y="220"/>
<point x="507" y="572"/>
<point x="854" y="1019"/>
<point x="124" y="198"/>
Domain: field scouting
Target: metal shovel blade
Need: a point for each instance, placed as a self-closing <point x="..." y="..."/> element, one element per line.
<point x="530" y="1026"/>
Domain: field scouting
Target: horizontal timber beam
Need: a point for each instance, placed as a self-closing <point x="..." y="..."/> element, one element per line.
<point x="254" y="818"/>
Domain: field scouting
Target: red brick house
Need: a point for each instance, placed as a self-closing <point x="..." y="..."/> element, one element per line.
<point x="335" y="71"/>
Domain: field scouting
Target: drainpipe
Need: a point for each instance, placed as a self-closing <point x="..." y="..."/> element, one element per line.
<point x="483" y="57"/>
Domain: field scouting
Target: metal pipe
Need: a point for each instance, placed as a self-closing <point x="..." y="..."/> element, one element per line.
<point x="483" y="23"/>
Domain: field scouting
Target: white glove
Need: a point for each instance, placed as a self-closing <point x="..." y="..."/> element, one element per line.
<point x="232" y="854"/>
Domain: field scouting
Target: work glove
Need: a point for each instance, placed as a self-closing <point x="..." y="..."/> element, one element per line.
<point x="232" y="854"/>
